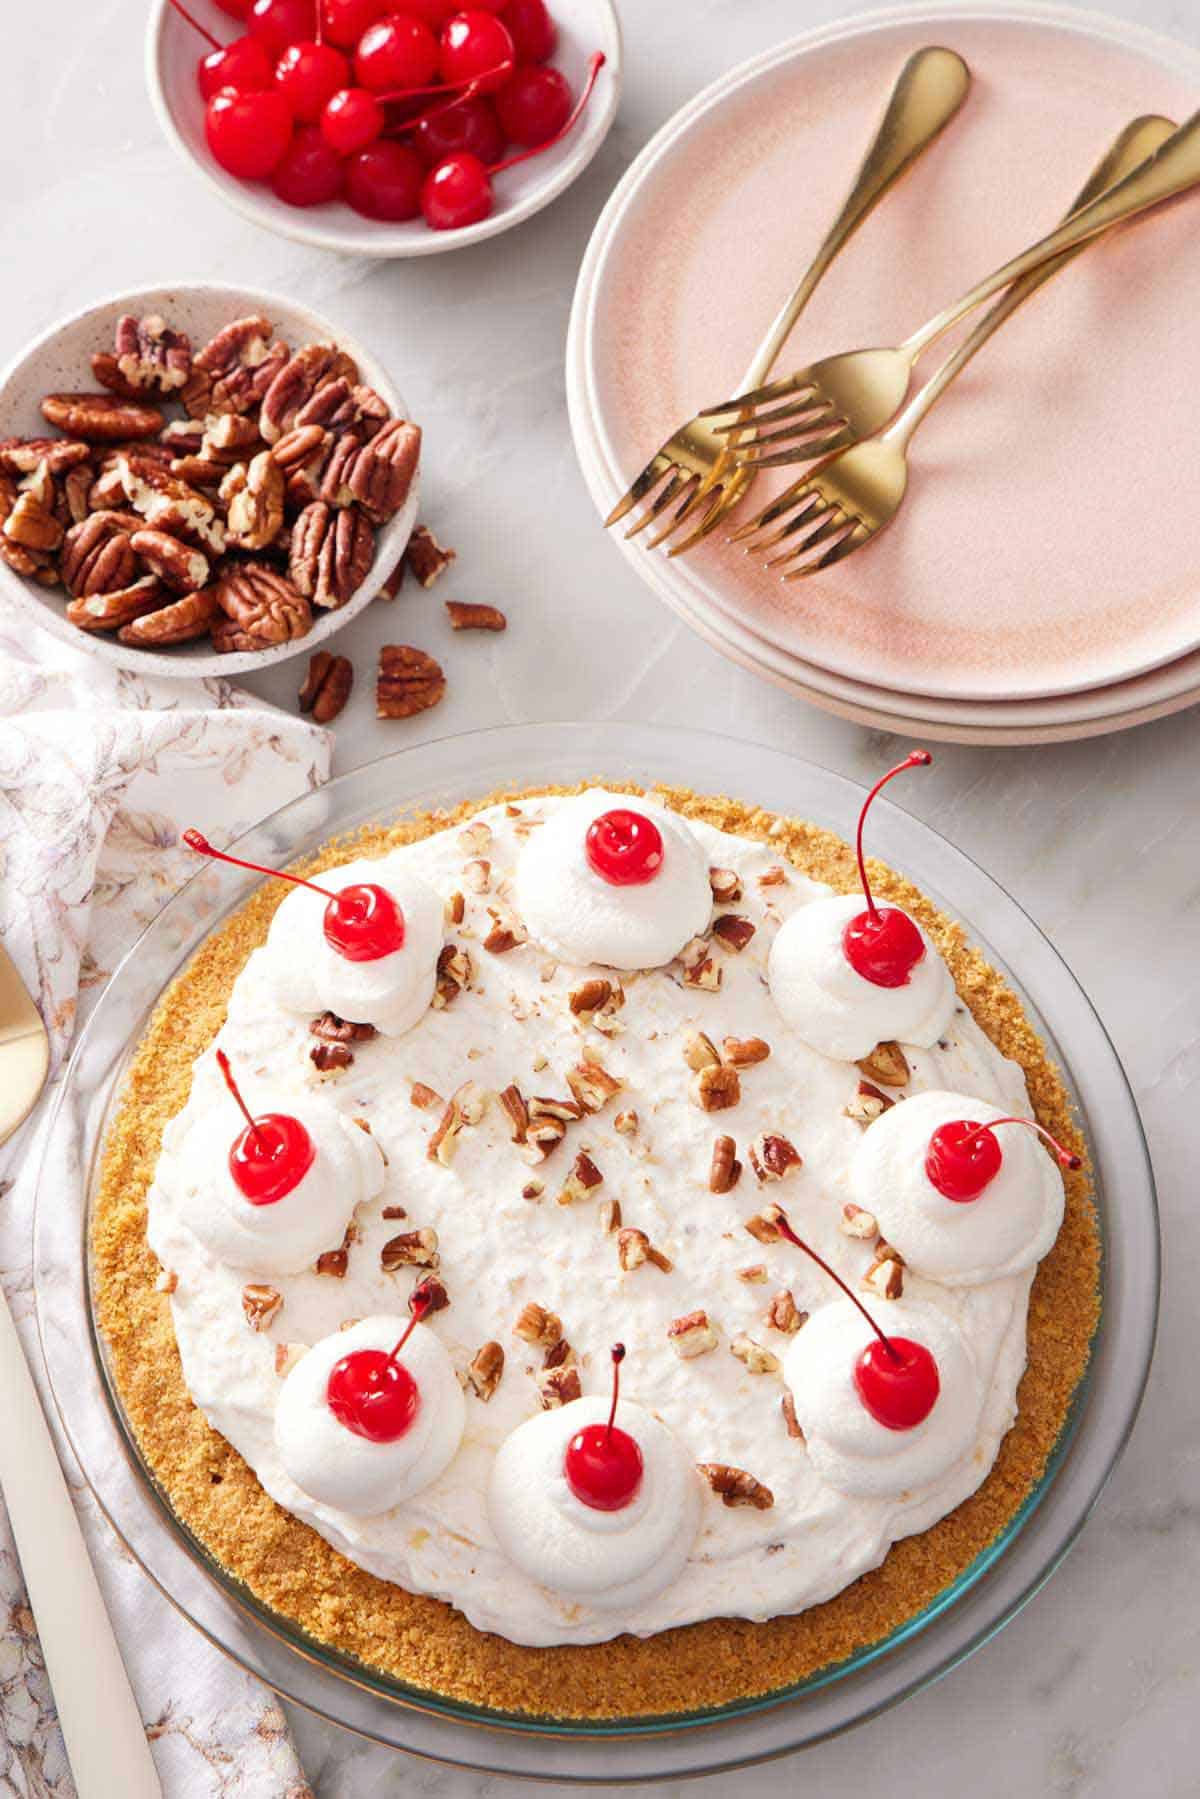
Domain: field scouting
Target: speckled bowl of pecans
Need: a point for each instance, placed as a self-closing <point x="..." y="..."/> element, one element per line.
<point x="200" y="480"/>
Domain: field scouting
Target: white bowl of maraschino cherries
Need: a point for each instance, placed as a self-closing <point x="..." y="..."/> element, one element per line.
<point x="386" y="127"/>
<point x="374" y="1414"/>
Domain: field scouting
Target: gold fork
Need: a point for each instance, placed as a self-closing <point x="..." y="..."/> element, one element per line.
<point x="843" y="399"/>
<point x="697" y="463"/>
<point x="848" y="499"/>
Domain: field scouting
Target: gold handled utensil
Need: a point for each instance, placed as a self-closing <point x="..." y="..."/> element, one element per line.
<point x="845" y="501"/>
<point x="694" y="476"/>
<point x="842" y="399"/>
<point x="101" y="1725"/>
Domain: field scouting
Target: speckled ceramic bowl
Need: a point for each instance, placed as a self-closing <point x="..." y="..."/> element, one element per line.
<point x="584" y="26"/>
<point x="58" y="360"/>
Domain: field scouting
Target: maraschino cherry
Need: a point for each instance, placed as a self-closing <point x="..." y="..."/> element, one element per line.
<point x="272" y="1155"/>
<point x="371" y="1392"/>
<point x="965" y="1157"/>
<point x="897" y="1379"/>
<point x="603" y="1464"/>
<point x="883" y="944"/>
<point x="362" y="922"/>
<point x="625" y="848"/>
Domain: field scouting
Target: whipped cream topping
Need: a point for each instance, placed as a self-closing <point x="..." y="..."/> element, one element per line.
<point x="849" y="1449"/>
<point x="580" y="917"/>
<point x="498" y="1251"/>
<point x="290" y="1233"/>
<point x="837" y="1010"/>
<point x="611" y="1560"/>
<point x="338" y="1468"/>
<point x="1008" y="1228"/>
<point x="307" y="974"/>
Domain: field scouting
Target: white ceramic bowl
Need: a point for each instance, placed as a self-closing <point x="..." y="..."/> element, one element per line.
<point x="58" y="361"/>
<point x="173" y="49"/>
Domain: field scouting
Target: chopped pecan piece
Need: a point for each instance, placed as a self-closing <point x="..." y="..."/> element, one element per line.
<point x="754" y="1273"/>
<point x="533" y="1190"/>
<point x="626" y="1123"/>
<point x="261" y="1305"/>
<point x="783" y="1314"/>
<point x="485" y="1369"/>
<point x="182" y="568"/>
<point x="426" y="557"/>
<point x="592" y="1085"/>
<point x="757" y="1359"/>
<point x="149" y="355"/>
<point x="101" y="418"/>
<point x="715" y="1087"/>
<point x="182" y="621"/>
<point x="885" y="1278"/>
<point x="410" y="1249"/>
<point x="332" y="1029"/>
<point x="791" y="1423"/>
<point x="477" y="874"/>
<point x="610" y="1217"/>
<point x="475" y="838"/>
<point x="634" y="1249"/>
<point x="590" y="997"/>
<point x="772" y="1156"/>
<point x="726" y="885"/>
<point x="287" y="1355"/>
<point x="409" y="681"/>
<point x="537" y="1325"/>
<point x="252" y="493"/>
<point x="503" y="936"/>
<point x="582" y="1181"/>
<point x="732" y="931"/>
<point x="725" y="1170"/>
<point x="516" y="1112"/>
<point x="326" y="686"/>
<point x="691" y="1335"/>
<point x="699" y="1051"/>
<point x="764" y="1225"/>
<point x="773" y="877"/>
<point x="856" y="1221"/>
<point x="733" y="1486"/>
<point x="334" y="1262"/>
<point x="699" y="969"/>
<point x="868" y="1104"/>
<point x="424" y="1098"/>
<point x="428" y="1296"/>
<point x="558" y="1386"/>
<point x="330" y="1058"/>
<point x="298" y="447"/>
<point x="744" y="1052"/>
<point x="559" y="1355"/>
<point x="456" y="908"/>
<point x="259" y="609"/>
<point x="467" y="616"/>
<point x="887" y="1065"/>
<point x="453" y="975"/>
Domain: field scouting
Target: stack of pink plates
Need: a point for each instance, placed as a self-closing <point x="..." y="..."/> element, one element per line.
<point x="1043" y="578"/>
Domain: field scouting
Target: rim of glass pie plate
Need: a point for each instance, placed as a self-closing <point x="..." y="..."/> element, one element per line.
<point x="984" y="1597"/>
<point x="1166" y="686"/>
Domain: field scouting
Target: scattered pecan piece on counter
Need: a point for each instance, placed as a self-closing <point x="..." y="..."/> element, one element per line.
<point x="634" y="1250"/>
<point x="180" y="621"/>
<point x="409" y="682"/>
<point x="259" y="609"/>
<point x="582" y="1181"/>
<point x="426" y="557"/>
<point x="732" y="931"/>
<point x="260" y="1304"/>
<point x="887" y="1065"/>
<point x="471" y="616"/>
<point x="411" y="1249"/>
<point x="558" y="1386"/>
<point x="691" y="1335"/>
<point x="756" y="1359"/>
<point x="535" y="1324"/>
<point x="725" y="1170"/>
<point x="856" y="1221"/>
<point x="733" y="1486"/>
<point x="103" y="418"/>
<point x="149" y="355"/>
<point x="783" y="1314"/>
<point x="772" y="1156"/>
<point x="485" y="1370"/>
<point x="326" y="686"/>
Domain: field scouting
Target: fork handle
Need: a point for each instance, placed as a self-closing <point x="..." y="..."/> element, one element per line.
<point x="929" y="90"/>
<point x="1170" y="171"/>
<point x="1140" y="139"/>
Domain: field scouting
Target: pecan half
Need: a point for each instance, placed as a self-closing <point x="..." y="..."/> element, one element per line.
<point x="21" y="455"/>
<point x="409" y="682"/>
<point x="260" y="1304"/>
<point x="426" y="557"/>
<point x="229" y="437"/>
<point x="485" y="1370"/>
<point x="691" y="1335"/>
<point x="326" y="686"/>
<point x="252" y="493"/>
<point x="331" y="554"/>
<point x="887" y="1065"/>
<point x="97" y="554"/>
<point x="110" y="611"/>
<point x="296" y="383"/>
<point x="725" y="1171"/>
<point x="298" y="447"/>
<point x="259" y="609"/>
<point x="32" y="525"/>
<point x="772" y="1156"/>
<point x="733" y="1486"/>
<point x="101" y="418"/>
<point x="182" y="621"/>
<point x="175" y="563"/>
<point x="339" y="406"/>
<point x="234" y="369"/>
<point x="380" y="472"/>
<point x="465" y="616"/>
<point x="410" y="1249"/>
<point x="169" y="504"/>
<point x="150" y="355"/>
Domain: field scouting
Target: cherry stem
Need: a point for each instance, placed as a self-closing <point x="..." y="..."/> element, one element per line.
<point x="785" y="1229"/>
<point x="618" y="1356"/>
<point x="1066" y="1157"/>
<point x="470" y="88"/>
<point x="201" y="845"/>
<point x="594" y="67"/>
<point x="418" y="1305"/>
<point x="205" y="33"/>
<point x="918" y="759"/>
<point x="227" y="1071"/>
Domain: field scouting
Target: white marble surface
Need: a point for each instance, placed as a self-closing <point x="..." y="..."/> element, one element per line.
<point x="1094" y="1689"/>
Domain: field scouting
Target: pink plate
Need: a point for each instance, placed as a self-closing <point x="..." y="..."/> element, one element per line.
<point x="1048" y="543"/>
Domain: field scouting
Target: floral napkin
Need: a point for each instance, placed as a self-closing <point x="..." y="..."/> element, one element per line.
<point x="99" y="768"/>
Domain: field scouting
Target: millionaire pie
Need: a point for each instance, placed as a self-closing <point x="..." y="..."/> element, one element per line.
<point x="598" y="1254"/>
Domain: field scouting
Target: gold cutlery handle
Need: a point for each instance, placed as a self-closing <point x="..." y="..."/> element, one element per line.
<point x="1139" y="140"/>
<point x="1171" y="170"/>
<point x="929" y="91"/>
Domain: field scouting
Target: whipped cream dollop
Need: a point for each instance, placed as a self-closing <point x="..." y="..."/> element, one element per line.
<point x="837" y="1010"/>
<point x="336" y="1466"/>
<point x="289" y="1234"/>
<point x="307" y="974"/>
<point x="848" y="1448"/>
<point x="1007" y="1228"/>
<point x="580" y="917"/>
<point x="606" y="1559"/>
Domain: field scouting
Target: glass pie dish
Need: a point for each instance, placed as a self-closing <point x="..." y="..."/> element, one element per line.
<point x="961" y="1617"/>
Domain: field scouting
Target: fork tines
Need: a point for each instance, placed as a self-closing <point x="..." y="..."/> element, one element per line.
<point x="810" y="426"/>
<point x="806" y="521"/>
<point x="670" y="494"/>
